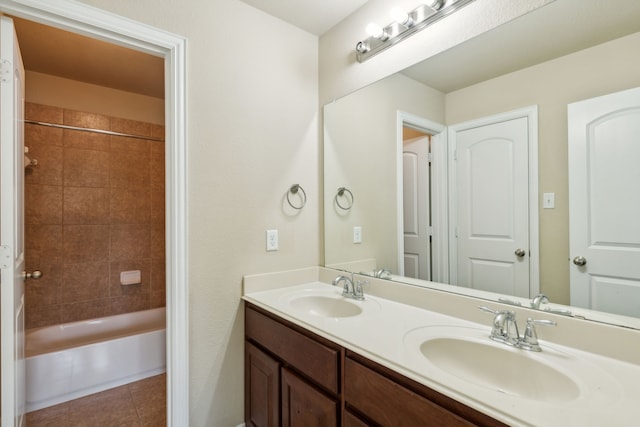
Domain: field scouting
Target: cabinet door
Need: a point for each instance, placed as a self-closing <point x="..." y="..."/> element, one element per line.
<point x="262" y="402"/>
<point x="304" y="406"/>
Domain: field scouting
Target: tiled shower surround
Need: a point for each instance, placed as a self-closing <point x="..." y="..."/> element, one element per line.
<point x="94" y="207"/>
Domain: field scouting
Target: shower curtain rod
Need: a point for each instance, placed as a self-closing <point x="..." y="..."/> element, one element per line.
<point x="105" y="132"/>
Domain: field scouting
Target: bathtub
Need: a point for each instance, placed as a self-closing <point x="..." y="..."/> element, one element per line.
<point x="68" y="361"/>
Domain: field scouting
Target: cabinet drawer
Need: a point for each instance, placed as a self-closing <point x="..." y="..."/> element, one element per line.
<point x="387" y="403"/>
<point x="313" y="359"/>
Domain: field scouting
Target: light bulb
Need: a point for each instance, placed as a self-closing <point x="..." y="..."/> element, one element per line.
<point x="374" y="30"/>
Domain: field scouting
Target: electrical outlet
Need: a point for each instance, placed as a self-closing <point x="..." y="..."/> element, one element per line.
<point x="272" y="240"/>
<point x="357" y="234"/>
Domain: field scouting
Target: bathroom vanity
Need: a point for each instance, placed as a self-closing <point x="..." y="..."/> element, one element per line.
<point x="315" y="357"/>
<point x="316" y="376"/>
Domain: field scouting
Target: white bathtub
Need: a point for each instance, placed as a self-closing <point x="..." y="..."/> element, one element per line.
<point x="64" y="362"/>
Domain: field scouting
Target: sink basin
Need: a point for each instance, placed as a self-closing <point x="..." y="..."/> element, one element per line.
<point x="507" y="370"/>
<point x="326" y="306"/>
<point x="469" y="355"/>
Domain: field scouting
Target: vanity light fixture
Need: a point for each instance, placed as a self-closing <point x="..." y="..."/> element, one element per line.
<point x="404" y="25"/>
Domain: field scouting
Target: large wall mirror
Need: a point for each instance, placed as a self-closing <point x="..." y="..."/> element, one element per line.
<point x="533" y="67"/>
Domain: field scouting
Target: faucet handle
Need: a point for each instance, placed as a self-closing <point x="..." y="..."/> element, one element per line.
<point x="530" y="338"/>
<point x="487" y="309"/>
<point x="358" y="291"/>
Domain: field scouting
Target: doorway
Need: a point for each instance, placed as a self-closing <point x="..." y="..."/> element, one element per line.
<point x="422" y="198"/>
<point x="99" y="24"/>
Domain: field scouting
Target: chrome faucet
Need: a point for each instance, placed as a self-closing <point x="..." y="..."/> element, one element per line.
<point x="505" y="330"/>
<point x="349" y="290"/>
<point x="382" y="272"/>
<point x="539" y="299"/>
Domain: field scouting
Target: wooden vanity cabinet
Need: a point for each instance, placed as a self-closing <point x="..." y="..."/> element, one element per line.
<point x="298" y="379"/>
<point x="292" y="377"/>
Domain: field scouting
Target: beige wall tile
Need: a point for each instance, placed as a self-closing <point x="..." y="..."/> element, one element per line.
<point x="129" y="169"/>
<point x="86" y="140"/>
<point x="82" y="310"/>
<point x="86" y="168"/>
<point x="85" y="281"/>
<point x="157" y="166"/>
<point x="130" y="303"/>
<point x="157" y="131"/>
<point x="132" y="127"/>
<point x="86" y="205"/>
<point x="102" y="196"/>
<point x="158" y="275"/>
<point x="123" y="144"/>
<point x="48" y="171"/>
<point x="42" y="135"/>
<point x="158" y="207"/>
<point x="158" y="241"/>
<point x="43" y="113"/>
<point x="36" y="317"/>
<point x="130" y="206"/>
<point x="86" y="120"/>
<point x="43" y="204"/>
<point x="131" y="241"/>
<point x="86" y="243"/>
<point x="158" y="299"/>
<point x="43" y="244"/>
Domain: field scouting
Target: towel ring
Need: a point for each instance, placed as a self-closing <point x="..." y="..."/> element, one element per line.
<point x="340" y="193"/>
<point x="294" y="190"/>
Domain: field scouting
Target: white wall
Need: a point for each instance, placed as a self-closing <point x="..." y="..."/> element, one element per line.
<point x="252" y="104"/>
<point x="363" y="158"/>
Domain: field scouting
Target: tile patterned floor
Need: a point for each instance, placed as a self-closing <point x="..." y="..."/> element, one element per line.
<point x="139" y="404"/>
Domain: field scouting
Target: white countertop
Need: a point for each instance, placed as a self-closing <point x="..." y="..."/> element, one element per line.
<point x="389" y="333"/>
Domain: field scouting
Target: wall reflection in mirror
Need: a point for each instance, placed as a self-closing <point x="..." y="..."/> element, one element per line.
<point x="397" y="145"/>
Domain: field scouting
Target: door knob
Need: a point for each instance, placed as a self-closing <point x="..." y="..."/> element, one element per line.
<point x="520" y="252"/>
<point x="35" y="275"/>
<point x="580" y="261"/>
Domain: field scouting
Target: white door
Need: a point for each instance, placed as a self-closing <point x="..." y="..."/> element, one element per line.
<point x="11" y="225"/>
<point x="604" y="202"/>
<point x="416" y="199"/>
<point x="492" y="206"/>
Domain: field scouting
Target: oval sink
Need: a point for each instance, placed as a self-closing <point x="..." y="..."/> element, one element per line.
<point x="507" y="370"/>
<point x="326" y="306"/>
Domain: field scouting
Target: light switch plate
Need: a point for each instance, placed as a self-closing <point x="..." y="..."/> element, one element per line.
<point x="548" y="200"/>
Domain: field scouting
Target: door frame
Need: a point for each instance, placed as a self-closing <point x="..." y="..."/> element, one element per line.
<point x="439" y="205"/>
<point x="93" y="22"/>
<point x="531" y="113"/>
